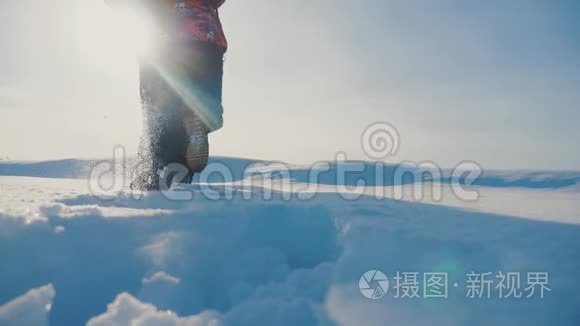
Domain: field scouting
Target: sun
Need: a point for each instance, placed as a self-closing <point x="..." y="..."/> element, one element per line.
<point x="134" y="31"/>
<point x="108" y="36"/>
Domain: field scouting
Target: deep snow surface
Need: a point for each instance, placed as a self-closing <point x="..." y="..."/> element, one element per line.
<point x="68" y="257"/>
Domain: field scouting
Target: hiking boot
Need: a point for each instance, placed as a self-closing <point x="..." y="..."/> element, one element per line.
<point x="197" y="150"/>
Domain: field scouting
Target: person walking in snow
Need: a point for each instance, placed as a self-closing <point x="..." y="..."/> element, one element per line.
<point x="181" y="90"/>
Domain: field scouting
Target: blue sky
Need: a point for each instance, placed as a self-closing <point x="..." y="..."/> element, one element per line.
<point x="497" y="82"/>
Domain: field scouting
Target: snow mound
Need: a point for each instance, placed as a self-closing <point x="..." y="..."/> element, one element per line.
<point x="30" y="309"/>
<point x="127" y="310"/>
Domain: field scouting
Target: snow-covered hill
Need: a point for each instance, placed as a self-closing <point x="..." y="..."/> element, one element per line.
<point x="231" y="255"/>
<point x="80" y="169"/>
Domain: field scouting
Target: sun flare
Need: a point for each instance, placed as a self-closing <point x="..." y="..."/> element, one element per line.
<point x="110" y="35"/>
<point x="132" y="30"/>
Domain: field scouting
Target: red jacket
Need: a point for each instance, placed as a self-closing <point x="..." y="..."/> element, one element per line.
<point x="186" y="20"/>
<point x="199" y="21"/>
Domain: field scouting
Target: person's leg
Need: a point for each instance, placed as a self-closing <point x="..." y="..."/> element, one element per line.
<point x="179" y="114"/>
<point x="145" y="176"/>
<point x="202" y="107"/>
<point x="164" y="139"/>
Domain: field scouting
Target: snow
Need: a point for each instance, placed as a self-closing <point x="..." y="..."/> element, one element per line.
<point x="143" y="259"/>
<point x="31" y="308"/>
